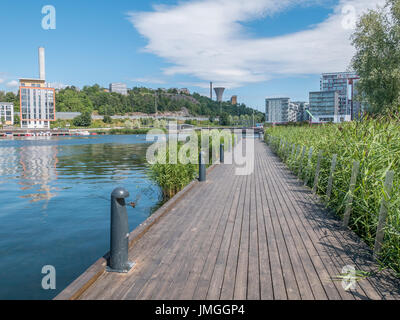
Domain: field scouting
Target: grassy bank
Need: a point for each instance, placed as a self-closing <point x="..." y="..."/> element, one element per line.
<point x="128" y="131"/>
<point x="174" y="177"/>
<point x="375" y="143"/>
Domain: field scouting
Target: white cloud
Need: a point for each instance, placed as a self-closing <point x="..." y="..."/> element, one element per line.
<point x="12" y="84"/>
<point x="205" y="39"/>
<point x="1" y="80"/>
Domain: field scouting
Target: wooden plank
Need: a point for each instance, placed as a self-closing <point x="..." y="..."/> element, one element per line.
<point x="164" y="274"/>
<point x="338" y="255"/>
<point x="306" y="243"/>
<point x="208" y="240"/>
<point x="214" y="290"/>
<point x="261" y="236"/>
<point x="240" y="292"/>
<point x="292" y="242"/>
<point x="228" y="286"/>
<point x="266" y="287"/>
<point x="253" y="285"/>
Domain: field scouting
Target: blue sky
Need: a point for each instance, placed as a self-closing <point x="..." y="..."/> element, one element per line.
<point x="256" y="48"/>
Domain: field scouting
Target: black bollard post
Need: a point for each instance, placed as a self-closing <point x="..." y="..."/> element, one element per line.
<point x="202" y="167"/>
<point x="119" y="233"/>
<point x="221" y="153"/>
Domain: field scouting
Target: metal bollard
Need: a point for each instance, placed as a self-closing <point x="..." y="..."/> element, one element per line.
<point x="202" y="167"/>
<point x="221" y="153"/>
<point x="119" y="233"/>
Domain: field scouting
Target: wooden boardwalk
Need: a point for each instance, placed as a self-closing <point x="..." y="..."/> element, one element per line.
<point x="261" y="236"/>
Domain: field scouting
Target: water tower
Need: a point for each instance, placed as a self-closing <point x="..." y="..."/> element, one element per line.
<point x="220" y="93"/>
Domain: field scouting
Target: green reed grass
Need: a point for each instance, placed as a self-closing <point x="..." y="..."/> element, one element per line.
<point x="375" y="143"/>
<point x="174" y="177"/>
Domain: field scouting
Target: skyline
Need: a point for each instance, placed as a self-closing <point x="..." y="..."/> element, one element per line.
<point x="284" y="45"/>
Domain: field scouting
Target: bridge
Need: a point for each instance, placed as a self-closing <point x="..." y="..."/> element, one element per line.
<point x="261" y="236"/>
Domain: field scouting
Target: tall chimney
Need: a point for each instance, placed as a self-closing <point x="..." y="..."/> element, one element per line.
<point x="211" y="87"/>
<point x="42" y="67"/>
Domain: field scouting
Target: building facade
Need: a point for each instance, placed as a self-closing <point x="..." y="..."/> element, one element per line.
<point x="324" y="107"/>
<point x="6" y="113"/>
<point x="234" y="100"/>
<point x="292" y="112"/>
<point x="277" y="110"/>
<point x="37" y="104"/>
<point x="301" y="110"/>
<point x="37" y="100"/>
<point x="342" y="82"/>
<point x="119" y="88"/>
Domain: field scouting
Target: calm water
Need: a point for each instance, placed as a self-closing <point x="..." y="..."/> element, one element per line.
<point x="55" y="207"/>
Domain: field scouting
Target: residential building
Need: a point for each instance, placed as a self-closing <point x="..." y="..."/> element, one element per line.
<point x="184" y="91"/>
<point x="6" y="113"/>
<point x="342" y="82"/>
<point x="301" y="110"/>
<point x="119" y="88"/>
<point x="37" y="100"/>
<point x="277" y="110"/>
<point x="37" y="104"/>
<point x="293" y="112"/>
<point x="357" y="107"/>
<point x="324" y="107"/>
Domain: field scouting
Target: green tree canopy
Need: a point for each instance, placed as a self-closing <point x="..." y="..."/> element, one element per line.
<point x="84" y="120"/>
<point x="377" y="58"/>
<point x="144" y="100"/>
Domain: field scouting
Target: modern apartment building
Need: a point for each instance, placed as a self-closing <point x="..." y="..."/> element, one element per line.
<point x="300" y="107"/>
<point x="342" y="82"/>
<point x="119" y="88"/>
<point x="277" y="110"/>
<point x="37" y="104"/>
<point x="293" y="112"/>
<point x="37" y="101"/>
<point x="324" y="107"/>
<point x="6" y="113"/>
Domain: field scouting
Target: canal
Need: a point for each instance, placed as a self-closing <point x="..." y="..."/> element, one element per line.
<point x="55" y="206"/>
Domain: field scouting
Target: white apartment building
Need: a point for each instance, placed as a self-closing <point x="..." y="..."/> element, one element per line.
<point x="6" y="113"/>
<point x="277" y="110"/>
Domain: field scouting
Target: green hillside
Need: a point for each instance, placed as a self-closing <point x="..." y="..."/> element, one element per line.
<point x="94" y="98"/>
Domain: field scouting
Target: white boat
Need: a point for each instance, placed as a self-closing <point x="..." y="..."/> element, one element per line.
<point x="83" y="133"/>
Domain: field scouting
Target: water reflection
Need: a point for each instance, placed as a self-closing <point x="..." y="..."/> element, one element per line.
<point x="9" y="159"/>
<point x="39" y="170"/>
<point x="55" y="205"/>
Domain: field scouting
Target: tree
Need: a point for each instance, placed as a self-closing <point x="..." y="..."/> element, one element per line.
<point x="224" y="119"/>
<point x="17" y="120"/>
<point x="128" y="124"/>
<point x="107" y="119"/>
<point x="377" y="58"/>
<point x="84" y="120"/>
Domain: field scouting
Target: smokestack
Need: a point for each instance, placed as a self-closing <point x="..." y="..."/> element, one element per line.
<point x="42" y="67"/>
<point x="220" y="93"/>
<point x="211" y="87"/>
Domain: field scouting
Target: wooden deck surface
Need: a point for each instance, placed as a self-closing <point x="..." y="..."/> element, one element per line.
<point x="261" y="236"/>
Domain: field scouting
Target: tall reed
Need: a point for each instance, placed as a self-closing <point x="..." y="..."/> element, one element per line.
<point x="174" y="177"/>
<point x="375" y="143"/>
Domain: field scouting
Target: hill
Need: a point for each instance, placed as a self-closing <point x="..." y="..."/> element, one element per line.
<point x="145" y="100"/>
